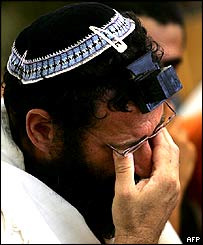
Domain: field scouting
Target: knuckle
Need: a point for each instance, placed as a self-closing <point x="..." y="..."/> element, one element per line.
<point x="174" y="185"/>
<point x="171" y="183"/>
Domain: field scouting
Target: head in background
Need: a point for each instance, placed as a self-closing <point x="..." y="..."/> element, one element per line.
<point x="164" y="22"/>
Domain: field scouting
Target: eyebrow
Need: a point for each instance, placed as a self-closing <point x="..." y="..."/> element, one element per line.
<point x="131" y="143"/>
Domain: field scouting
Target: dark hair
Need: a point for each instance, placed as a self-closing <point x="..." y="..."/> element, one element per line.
<point x="78" y="91"/>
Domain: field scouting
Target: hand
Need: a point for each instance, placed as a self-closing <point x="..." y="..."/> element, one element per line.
<point x="141" y="211"/>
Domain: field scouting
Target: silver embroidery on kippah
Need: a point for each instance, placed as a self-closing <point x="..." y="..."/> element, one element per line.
<point x="115" y="42"/>
<point x="111" y="34"/>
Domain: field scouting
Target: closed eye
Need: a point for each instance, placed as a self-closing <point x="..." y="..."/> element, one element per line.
<point x="130" y="144"/>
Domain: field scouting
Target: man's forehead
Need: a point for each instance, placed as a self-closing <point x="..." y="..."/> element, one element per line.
<point x="116" y="122"/>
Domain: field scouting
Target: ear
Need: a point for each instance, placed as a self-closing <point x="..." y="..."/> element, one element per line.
<point x="40" y="129"/>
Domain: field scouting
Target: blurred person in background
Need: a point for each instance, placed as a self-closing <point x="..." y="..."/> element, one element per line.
<point x="191" y="111"/>
<point x="164" y="22"/>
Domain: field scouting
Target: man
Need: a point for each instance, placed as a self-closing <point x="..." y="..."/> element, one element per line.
<point x="86" y="156"/>
<point x="164" y="22"/>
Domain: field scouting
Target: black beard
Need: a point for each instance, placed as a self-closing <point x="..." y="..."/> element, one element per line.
<point x="91" y="195"/>
<point x="90" y="192"/>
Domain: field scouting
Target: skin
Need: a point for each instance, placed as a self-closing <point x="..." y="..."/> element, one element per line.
<point x="158" y="190"/>
<point x="120" y="128"/>
<point x="137" y="209"/>
<point x="152" y="200"/>
<point x="171" y="37"/>
<point x="141" y="210"/>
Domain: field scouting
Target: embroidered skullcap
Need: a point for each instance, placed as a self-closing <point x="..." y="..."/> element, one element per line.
<point x="65" y="39"/>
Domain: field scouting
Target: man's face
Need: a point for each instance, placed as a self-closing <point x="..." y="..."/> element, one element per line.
<point x="88" y="177"/>
<point x="121" y="130"/>
<point x="94" y="189"/>
<point x="169" y="36"/>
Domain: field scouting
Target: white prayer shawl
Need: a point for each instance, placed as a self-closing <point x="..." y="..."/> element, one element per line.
<point x="33" y="213"/>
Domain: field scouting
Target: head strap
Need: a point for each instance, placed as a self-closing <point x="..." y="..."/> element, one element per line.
<point x="34" y="70"/>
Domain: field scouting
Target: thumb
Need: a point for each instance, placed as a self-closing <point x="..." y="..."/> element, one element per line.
<point x="124" y="169"/>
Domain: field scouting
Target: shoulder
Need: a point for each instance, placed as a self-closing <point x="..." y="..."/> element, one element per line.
<point x="37" y="213"/>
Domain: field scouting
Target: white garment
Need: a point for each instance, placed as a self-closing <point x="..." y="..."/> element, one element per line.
<point x="33" y="213"/>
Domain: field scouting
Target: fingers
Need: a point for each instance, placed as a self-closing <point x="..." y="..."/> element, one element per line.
<point x="165" y="157"/>
<point x="165" y="136"/>
<point x="149" y="203"/>
<point x="164" y="148"/>
<point x="165" y="160"/>
<point x="124" y="169"/>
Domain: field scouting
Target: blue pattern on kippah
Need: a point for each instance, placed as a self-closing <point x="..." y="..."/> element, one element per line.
<point x="30" y="71"/>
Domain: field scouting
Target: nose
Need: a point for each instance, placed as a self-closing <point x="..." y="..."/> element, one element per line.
<point x="143" y="160"/>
